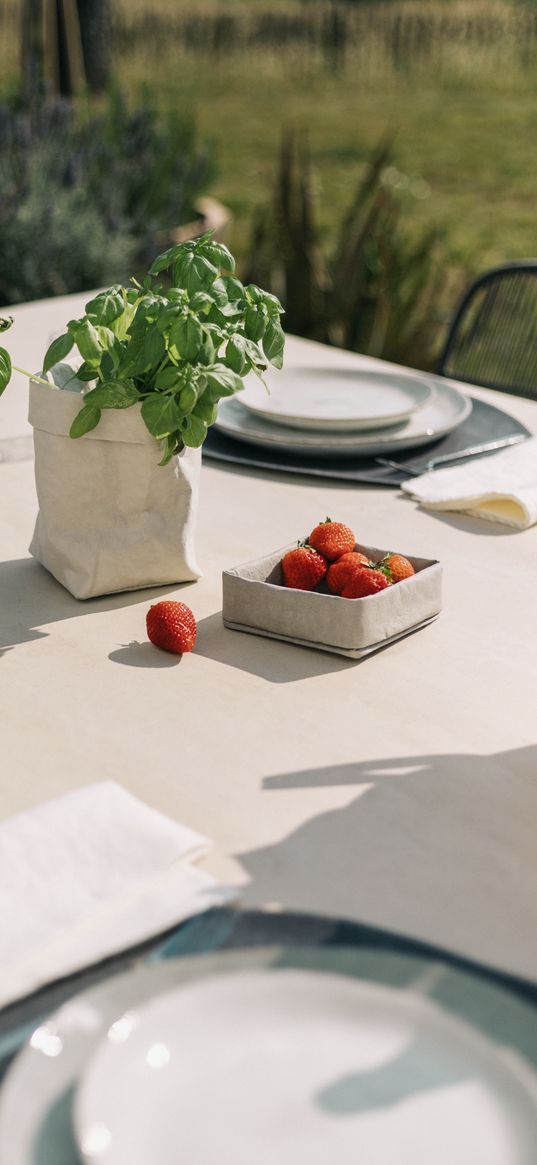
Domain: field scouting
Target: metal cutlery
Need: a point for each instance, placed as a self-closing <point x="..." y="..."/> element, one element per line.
<point x="446" y="458"/>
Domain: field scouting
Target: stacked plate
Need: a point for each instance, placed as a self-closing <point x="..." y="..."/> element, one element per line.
<point x="279" y="1054"/>
<point x="327" y="411"/>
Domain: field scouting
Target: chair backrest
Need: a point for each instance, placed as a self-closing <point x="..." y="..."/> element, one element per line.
<point x="493" y="337"/>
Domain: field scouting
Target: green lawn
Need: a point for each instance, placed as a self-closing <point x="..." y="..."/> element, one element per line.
<point x="465" y="114"/>
<point x="455" y="79"/>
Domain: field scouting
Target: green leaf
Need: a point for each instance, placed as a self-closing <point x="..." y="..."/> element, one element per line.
<point x="168" y="317"/>
<point x="219" y="254"/>
<point x="194" y="272"/>
<point x="161" y="414"/>
<point x="5" y="369"/>
<point x="170" y="447"/>
<point x="206" y="411"/>
<point x="5" y="323"/>
<point x="169" y="377"/>
<point x="234" y="289"/>
<point x="273" y="343"/>
<point x="57" y="350"/>
<point x="106" y="307"/>
<point x="153" y="348"/>
<point x="87" y="340"/>
<point x="85" y="420"/>
<point x="187" y="398"/>
<point x="201" y="301"/>
<point x="164" y="261"/>
<point x="194" y="431"/>
<point x="255" y="322"/>
<point x="223" y="381"/>
<point x="113" y="394"/>
<point x="236" y="355"/>
<point x="87" y="371"/>
<point x="187" y="337"/>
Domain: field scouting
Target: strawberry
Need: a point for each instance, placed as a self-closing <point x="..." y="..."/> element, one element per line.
<point x="172" y="626"/>
<point x="340" y="572"/>
<point x="396" y="567"/>
<point x="332" y="539"/>
<point x="365" y="580"/>
<point x="303" y="567"/>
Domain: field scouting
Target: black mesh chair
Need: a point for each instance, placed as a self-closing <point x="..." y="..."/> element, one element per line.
<point x="493" y="338"/>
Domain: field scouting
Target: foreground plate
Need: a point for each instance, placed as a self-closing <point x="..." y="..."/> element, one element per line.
<point x="444" y="409"/>
<point x="294" y="1067"/>
<point x="336" y="398"/>
<point x="444" y="1041"/>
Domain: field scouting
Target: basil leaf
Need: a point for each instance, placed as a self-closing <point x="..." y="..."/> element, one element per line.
<point x="206" y="411"/>
<point x="86" y="371"/>
<point x="223" y="381"/>
<point x="273" y="343"/>
<point x="194" y="431"/>
<point x="169" y="377"/>
<point x="236" y="354"/>
<point x="153" y="348"/>
<point x="113" y="394"/>
<point x="194" y="272"/>
<point x="5" y="369"/>
<point x="166" y="259"/>
<point x="187" y="398"/>
<point x="106" y="307"/>
<point x="220" y="255"/>
<point x="87" y="340"/>
<point x="85" y="420"/>
<point x="161" y="415"/>
<point x="255" y="322"/>
<point x="187" y="337"/>
<point x="57" y="350"/>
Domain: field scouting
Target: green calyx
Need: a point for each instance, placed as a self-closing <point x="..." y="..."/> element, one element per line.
<point x="175" y="350"/>
<point x="382" y="565"/>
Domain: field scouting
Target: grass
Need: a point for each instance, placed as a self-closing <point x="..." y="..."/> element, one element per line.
<point x="455" y="79"/>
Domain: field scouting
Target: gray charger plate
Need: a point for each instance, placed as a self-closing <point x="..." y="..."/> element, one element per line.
<point x="485" y="423"/>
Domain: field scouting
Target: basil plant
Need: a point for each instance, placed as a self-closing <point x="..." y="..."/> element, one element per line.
<point x="176" y="351"/>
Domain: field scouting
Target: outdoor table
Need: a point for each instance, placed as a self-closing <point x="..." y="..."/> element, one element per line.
<point x="400" y="791"/>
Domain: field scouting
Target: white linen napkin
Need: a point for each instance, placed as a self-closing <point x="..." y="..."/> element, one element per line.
<point x="501" y="487"/>
<point x="90" y="874"/>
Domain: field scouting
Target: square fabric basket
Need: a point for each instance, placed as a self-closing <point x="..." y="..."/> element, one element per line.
<point x="256" y="600"/>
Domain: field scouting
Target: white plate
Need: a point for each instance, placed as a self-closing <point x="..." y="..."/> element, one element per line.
<point x="336" y="398"/>
<point x="494" y="1031"/>
<point x="445" y="409"/>
<point x="299" y="1066"/>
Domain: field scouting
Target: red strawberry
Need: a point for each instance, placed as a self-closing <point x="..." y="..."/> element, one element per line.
<point x="172" y="626"/>
<point x="340" y="572"/>
<point x="365" y="580"/>
<point x="332" y="539"/>
<point x="303" y="567"/>
<point x="396" y="566"/>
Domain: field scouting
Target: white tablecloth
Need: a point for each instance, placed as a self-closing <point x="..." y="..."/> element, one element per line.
<point x="400" y="791"/>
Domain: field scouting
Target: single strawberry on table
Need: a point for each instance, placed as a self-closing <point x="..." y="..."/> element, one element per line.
<point x="303" y="567"/>
<point x="332" y="539"/>
<point x="172" y="626"/>
<point x="364" y="581"/>
<point x="340" y="571"/>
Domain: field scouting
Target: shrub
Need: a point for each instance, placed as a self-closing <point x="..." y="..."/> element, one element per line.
<point x="377" y="291"/>
<point x="84" y="197"/>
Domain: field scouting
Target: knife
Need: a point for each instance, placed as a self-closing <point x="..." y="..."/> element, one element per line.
<point x="445" y="458"/>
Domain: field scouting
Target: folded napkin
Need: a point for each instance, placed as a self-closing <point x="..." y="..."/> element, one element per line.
<point x="501" y="487"/>
<point x="87" y="875"/>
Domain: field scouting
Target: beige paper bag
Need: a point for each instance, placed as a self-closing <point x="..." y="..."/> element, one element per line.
<point x="110" y="517"/>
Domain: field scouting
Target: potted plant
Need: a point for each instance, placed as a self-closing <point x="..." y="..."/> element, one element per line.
<point x="117" y="471"/>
